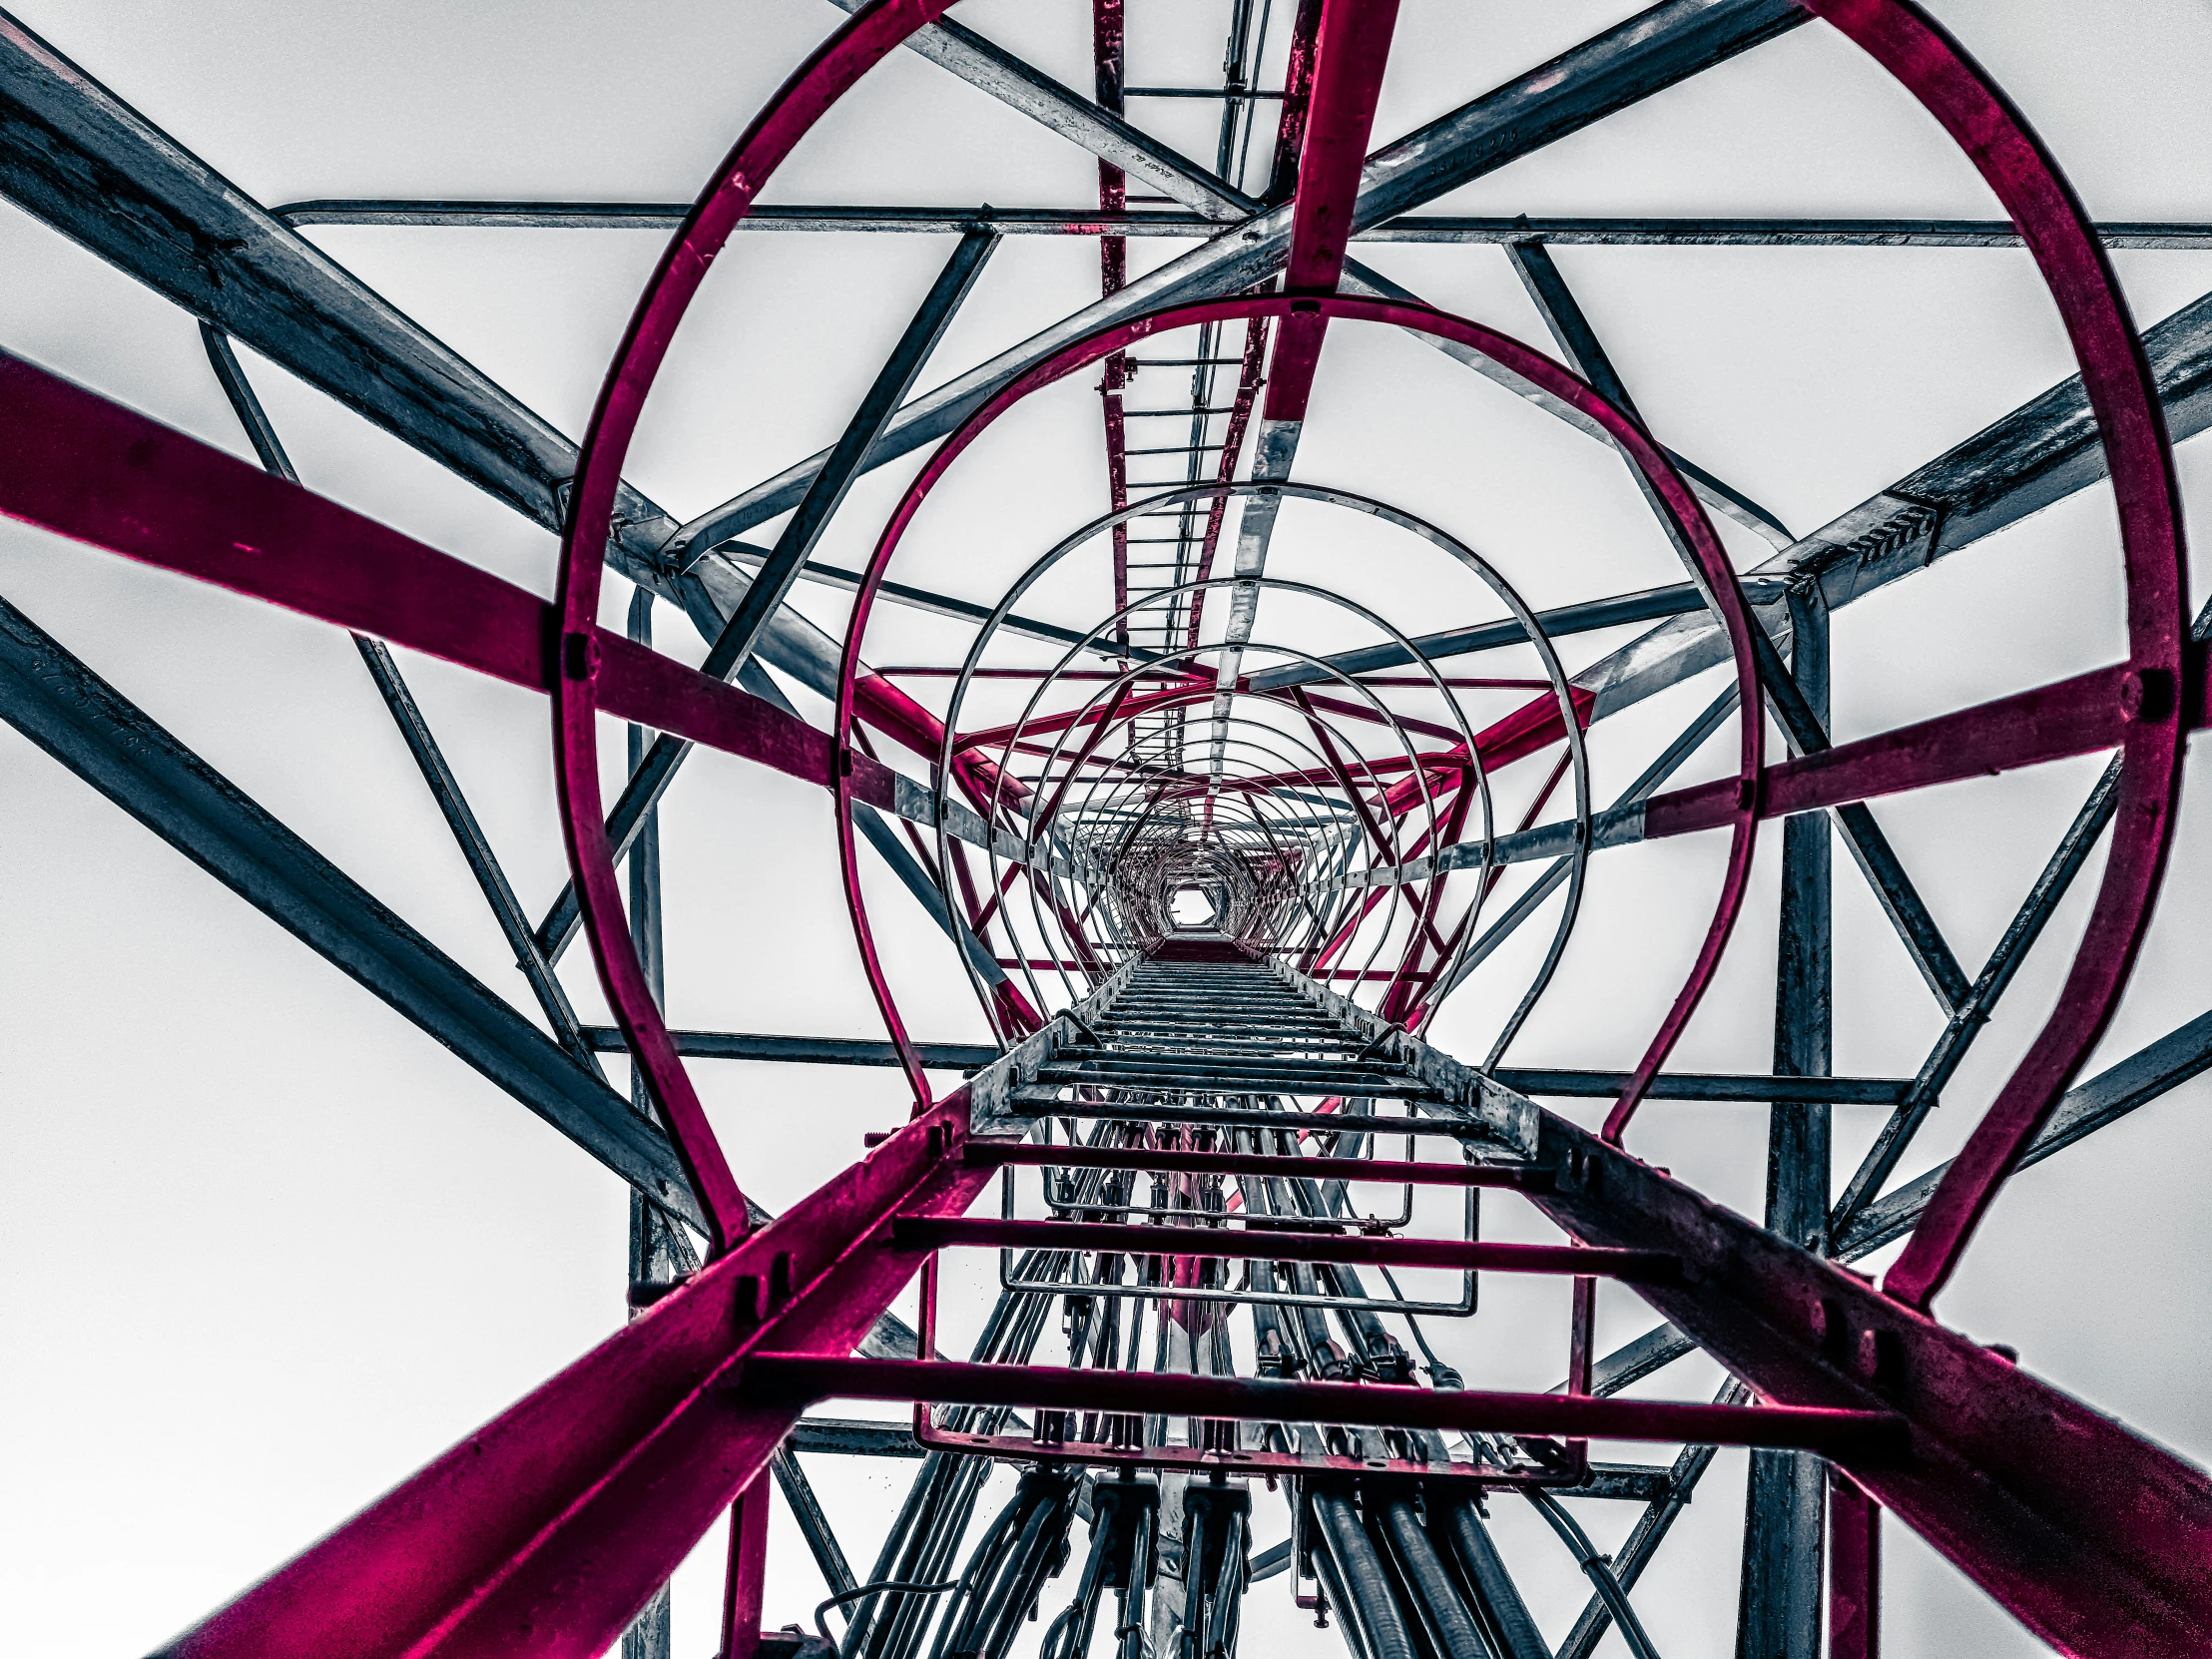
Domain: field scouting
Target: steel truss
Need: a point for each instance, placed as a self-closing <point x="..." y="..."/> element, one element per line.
<point x="1203" y="1105"/>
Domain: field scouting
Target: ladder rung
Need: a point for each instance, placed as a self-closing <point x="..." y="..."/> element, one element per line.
<point x="995" y="1154"/>
<point x="1636" y="1267"/>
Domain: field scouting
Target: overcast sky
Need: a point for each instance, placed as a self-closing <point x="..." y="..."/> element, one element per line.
<point x="265" y="1248"/>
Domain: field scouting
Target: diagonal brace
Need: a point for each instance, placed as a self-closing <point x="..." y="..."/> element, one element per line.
<point x="775" y="579"/>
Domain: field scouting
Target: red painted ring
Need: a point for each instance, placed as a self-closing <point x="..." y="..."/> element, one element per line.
<point x="1684" y="510"/>
<point x="2116" y="376"/>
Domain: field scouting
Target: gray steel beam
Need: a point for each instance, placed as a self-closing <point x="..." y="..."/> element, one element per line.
<point x="854" y="1438"/>
<point x="1579" y="344"/>
<point x="993" y="69"/>
<point x="774" y="580"/>
<point x="422" y="744"/>
<point x="2088" y="1107"/>
<point x="1631" y="799"/>
<point x="1645" y="1537"/>
<point x="86" y="163"/>
<point x="92" y="729"/>
<point x="813" y="1525"/>
<point x="2039" y="453"/>
<point x="818" y="1051"/>
<point x="1648" y="606"/>
<point x="1798" y="1153"/>
<point x="1763" y="232"/>
<point x="1972" y="1013"/>
<point x="1644" y="55"/>
<point x="1779" y="1595"/>
<point x="660" y="1254"/>
<point x="113" y="745"/>
<point x="1806" y="731"/>
<point x="922" y="599"/>
<point x="880" y="834"/>
<point x="1141" y="221"/>
<point x="77" y="157"/>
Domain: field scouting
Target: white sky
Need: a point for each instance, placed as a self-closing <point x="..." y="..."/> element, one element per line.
<point x="267" y="1248"/>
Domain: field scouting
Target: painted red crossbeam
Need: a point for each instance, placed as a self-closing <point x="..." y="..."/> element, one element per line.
<point x="1270" y="1244"/>
<point x="993" y="1154"/>
<point x="1107" y="36"/>
<point x="78" y="464"/>
<point x="1199" y="688"/>
<point x="1528" y="729"/>
<point x="788" y="1379"/>
<point x="2081" y="715"/>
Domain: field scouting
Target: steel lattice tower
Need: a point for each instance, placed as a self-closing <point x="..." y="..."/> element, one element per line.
<point x="1212" y="825"/>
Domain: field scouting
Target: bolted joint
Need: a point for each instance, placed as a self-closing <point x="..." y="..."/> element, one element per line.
<point x="579" y="655"/>
<point x="2147" y="695"/>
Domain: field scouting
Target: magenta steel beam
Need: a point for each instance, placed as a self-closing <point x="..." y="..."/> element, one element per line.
<point x="1099" y="729"/>
<point x="544" y="1532"/>
<point x="1275" y="1244"/>
<point x="1199" y="686"/>
<point x="1385" y="845"/>
<point x="1399" y="1000"/>
<point x="1489" y="882"/>
<point x="1360" y="712"/>
<point x="1113" y="274"/>
<point x="2082" y="716"/>
<point x="1351" y="47"/>
<point x="986" y="1153"/>
<point x="1297" y="100"/>
<point x="799" y="1379"/>
<point x="745" y="1573"/>
<point x="1853" y="1571"/>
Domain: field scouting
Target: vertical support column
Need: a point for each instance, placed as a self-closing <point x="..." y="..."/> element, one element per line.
<point x="745" y="1580"/>
<point x="1853" y="1572"/>
<point x="1581" y="1355"/>
<point x="658" y="1252"/>
<point x="1778" y="1615"/>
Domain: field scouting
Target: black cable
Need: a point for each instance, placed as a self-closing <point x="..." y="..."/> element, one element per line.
<point x="1451" y="1628"/>
<point x="1497" y="1599"/>
<point x="1594" y="1568"/>
<point x="1333" y="1595"/>
<point x="821" y="1621"/>
<point x="1367" y="1590"/>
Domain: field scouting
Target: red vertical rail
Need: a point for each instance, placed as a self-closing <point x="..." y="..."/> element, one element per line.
<point x="745" y="1583"/>
<point x="1349" y="52"/>
<point x="1113" y="272"/>
<point x="1853" y="1571"/>
<point x="1249" y="381"/>
<point x="1297" y="98"/>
